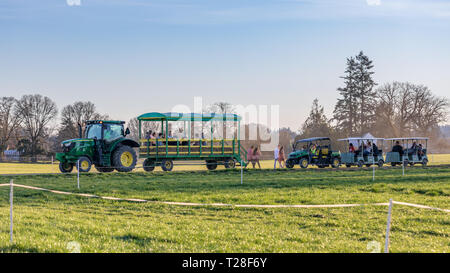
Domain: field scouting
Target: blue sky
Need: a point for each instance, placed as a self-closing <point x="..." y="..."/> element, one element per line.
<point x="137" y="56"/>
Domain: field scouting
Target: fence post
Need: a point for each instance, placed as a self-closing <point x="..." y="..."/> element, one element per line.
<point x="373" y="173"/>
<point x="78" y="174"/>
<point x="242" y="174"/>
<point x="388" y="227"/>
<point x="11" y="197"/>
<point x="52" y="160"/>
<point x="403" y="166"/>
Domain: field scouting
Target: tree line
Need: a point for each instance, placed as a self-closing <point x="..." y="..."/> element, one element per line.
<point x="394" y="109"/>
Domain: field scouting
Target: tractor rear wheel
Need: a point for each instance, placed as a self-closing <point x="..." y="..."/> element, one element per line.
<point x="211" y="164"/>
<point x="65" y="167"/>
<point x="303" y="163"/>
<point x="167" y="165"/>
<point x="230" y="163"/>
<point x="124" y="159"/>
<point x="149" y="165"/>
<point x="84" y="164"/>
<point x="335" y="162"/>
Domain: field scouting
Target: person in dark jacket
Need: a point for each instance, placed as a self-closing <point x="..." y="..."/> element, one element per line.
<point x="398" y="148"/>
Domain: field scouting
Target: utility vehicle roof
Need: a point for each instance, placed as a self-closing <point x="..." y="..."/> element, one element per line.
<point x="104" y="121"/>
<point x="313" y="139"/>
<point x="408" y="138"/>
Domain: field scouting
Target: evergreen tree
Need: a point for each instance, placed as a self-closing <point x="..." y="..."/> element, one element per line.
<point x="317" y="124"/>
<point x="354" y="112"/>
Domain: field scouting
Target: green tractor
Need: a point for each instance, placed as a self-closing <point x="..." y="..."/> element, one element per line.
<point x="313" y="151"/>
<point x="104" y="145"/>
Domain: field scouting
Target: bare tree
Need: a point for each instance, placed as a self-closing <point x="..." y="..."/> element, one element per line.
<point x="77" y="113"/>
<point x="36" y="112"/>
<point x="133" y="125"/>
<point x="405" y="108"/>
<point x="9" y="122"/>
<point x="222" y="108"/>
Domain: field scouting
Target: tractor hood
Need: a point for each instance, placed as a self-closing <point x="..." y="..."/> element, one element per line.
<point x="69" y="141"/>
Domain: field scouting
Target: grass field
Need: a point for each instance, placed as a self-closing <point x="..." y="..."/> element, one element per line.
<point x="46" y="222"/>
<point x="17" y="168"/>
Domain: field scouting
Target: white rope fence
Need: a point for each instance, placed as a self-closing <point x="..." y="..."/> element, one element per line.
<point x="388" y="225"/>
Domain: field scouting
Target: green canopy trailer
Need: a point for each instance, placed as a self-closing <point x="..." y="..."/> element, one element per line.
<point x="190" y="146"/>
<point x="362" y="156"/>
<point x="411" y="151"/>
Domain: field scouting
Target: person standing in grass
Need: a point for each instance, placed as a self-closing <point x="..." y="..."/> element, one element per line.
<point x="256" y="157"/>
<point x="250" y="154"/>
<point x="281" y="157"/>
<point x="276" y="153"/>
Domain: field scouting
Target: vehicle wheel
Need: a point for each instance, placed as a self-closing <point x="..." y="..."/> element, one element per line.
<point x="167" y="165"/>
<point x="406" y="162"/>
<point x="360" y="164"/>
<point x="290" y="164"/>
<point x="304" y="163"/>
<point x="124" y="159"/>
<point x="380" y="163"/>
<point x="84" y="164"/>
<point x="411" y="164"/>
<point x="348" y="165"/>
<point x="211" y="164"/>
<point x="230" y="163"/>
<point x="65" y="167"/>
<point x="368" y="165"/>
<point x="148" y="165"/>
<point x="393" y="164"/>
<point x="424" y="162"/>
<point x="335" y="162"/>
<point x="101" y="169"/>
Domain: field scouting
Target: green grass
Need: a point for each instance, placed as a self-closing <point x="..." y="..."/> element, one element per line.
<point x="46" y="222"/>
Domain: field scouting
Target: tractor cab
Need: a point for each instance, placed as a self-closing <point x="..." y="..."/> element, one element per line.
<point x="408" y="150"/>
<point x="315" y="151"/>
<point x="104" y="144"/>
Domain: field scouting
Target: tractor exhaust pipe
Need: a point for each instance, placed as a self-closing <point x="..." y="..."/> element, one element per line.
<point x="79" y="131"/>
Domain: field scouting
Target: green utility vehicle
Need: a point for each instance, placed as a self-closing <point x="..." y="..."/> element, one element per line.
<point x="104" y="145"/>
<point x="363" y="151"/>
<point x="408" y="150"/>
<point x="313" y="151"/>
<point x="169" y="137"/>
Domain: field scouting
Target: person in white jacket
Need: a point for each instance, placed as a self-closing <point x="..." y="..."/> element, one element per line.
<point x="276" y="153"/>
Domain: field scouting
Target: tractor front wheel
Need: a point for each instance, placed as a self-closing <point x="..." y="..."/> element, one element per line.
<point x="290" y="164"/>
<point x="65" y="167"/>
<point x="84" y="164"/>
<point x="124" y="159"/>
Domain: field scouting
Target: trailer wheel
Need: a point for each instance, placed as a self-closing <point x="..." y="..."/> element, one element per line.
<point x="303" y="163"/>
<point x="124" y="159"/>
<point x="149" y="165"/>
<point x="360" y="164"/>
<point x="405" y="162"/>
<point x="65" y="167"/>
<point x="424" y="162"/>
<point x="211" y="164"/>
<point x="167" y="165"/>
<point x="230" y="163"/>
<point x="380" y="163"/>
<point x="348" y="165"/>
<point x="393" y="164"/>
<point x="84" y="164"/>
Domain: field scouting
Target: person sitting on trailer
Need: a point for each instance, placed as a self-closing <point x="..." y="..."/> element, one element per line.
<point x="413" y="149"/>
<point x="397" y="148"/>
<point x="351" y="148"/>
<point x="420" y="151"/>
<point x="375" y="149"/>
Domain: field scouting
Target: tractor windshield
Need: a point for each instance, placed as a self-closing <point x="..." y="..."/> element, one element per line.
<point x="94" y="131"/>
<point x="113" y="131"/>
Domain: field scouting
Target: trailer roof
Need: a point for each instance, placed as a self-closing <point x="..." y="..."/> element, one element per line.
<point x="104" y="121"/>
<point x="360" y="138"/>
<point x="313" y="139"/>
<point x="408" y="138"/>
<point x="171" y="116"/>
